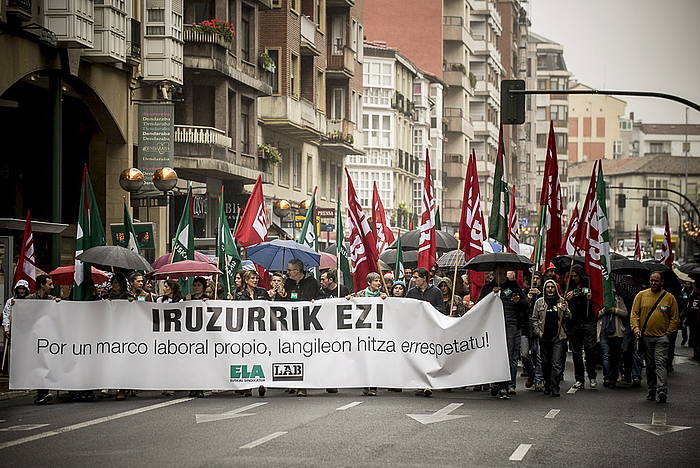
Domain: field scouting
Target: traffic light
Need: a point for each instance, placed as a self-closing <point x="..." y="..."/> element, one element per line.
<point x="512" y="105"/>
<point x="621" y="200"/>
<point x="645" y="201"/>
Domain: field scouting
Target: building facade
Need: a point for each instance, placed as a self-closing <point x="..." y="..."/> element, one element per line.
<point x="594" y="126"/>
<point x="669" y="139"/>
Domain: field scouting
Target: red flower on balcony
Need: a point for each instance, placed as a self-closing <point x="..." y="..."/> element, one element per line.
<point x="216" y="26"/>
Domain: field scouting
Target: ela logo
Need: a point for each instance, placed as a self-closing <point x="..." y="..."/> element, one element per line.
<point x="241" y="373"/>
<point x="288" y="371"/>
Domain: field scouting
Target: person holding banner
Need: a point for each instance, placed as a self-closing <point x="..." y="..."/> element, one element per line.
<point x="398" y="289"/>
<point x="277" y="287"/>
<point x="515" y="310"/>
<point x="137" y="291"/>
<point x="44" y="284"/>
<point x="171" y="292"/>
<point x="450" y="301"/>
<point x="21" y="292"/>
<point x="329" y="285"/>
<point x="549" y="314"/>
<point x="250" y="290"/>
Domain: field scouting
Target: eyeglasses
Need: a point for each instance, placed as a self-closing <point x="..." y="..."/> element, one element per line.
<point x="289" y="270"/>
<point x="415" y="276"/>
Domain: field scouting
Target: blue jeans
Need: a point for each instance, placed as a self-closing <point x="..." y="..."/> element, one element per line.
<point x="611" y="348"/>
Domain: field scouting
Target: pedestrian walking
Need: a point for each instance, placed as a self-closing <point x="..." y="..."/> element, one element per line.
<point x="692" y="320"/>
<point x="654" y="317"/>
<point x="611" y="333"/>
<point x="582" y="330"/>
<point x="530" y="342"/>
<point x="549" y="315"/>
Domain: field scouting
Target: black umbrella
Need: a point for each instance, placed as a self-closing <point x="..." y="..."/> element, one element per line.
<point x="452" y="259"/>
<point x="410" y="257"/>
<point x="563" y="262"/>
<point x="671" y="282"/>
<point x="445" y="241"/>
<point x="115" y="256"/>
<point x="688" y="267"/>
<point x="499" y="260"/>
<point x="331" y="249"/>
<point x="625" y="264"/>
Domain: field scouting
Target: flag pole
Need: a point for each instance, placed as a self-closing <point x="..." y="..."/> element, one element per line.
<point x="454" y="282"/>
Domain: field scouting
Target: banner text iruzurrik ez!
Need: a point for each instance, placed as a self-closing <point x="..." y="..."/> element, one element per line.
<point x="396" y="343"/>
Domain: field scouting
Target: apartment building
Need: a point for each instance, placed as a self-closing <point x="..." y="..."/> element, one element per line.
<point x="670" y="139"/>
<point x="312" y="116"/>
<point x="594" y="125"/>
<point x="546" y="63"/>
<point x="388" y="126"/>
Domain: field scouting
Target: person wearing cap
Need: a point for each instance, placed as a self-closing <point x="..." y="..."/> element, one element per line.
<point x="21" y="292"/>
<point x="398" y="289"/>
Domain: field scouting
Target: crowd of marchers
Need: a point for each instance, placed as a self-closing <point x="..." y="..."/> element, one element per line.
<point x="546" y="316"/>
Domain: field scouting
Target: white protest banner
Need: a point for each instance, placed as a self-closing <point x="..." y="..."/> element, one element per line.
<point x="397" y="343"/>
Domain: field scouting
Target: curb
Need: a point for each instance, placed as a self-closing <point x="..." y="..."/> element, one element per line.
<point x="14" y="394"/>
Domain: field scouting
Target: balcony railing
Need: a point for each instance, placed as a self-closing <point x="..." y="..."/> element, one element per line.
<point x="134" y="45"/>
<point x="344" y="62"/>
<point x="201" y="135"/>
<point x="308" y="30"/>
<point x="21" y="9"/>
<point x="189" y="34"/>
<point x="453" y="20"/>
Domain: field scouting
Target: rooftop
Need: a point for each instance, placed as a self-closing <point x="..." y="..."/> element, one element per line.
<point x="654" y="164"/>
<point x="668" y="129"/>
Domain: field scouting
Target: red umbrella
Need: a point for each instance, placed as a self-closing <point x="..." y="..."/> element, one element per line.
<point x="328" y="261"/>
<point x="64" y="275"/>
<point x="167" y="258"/>
<point x="184" y="269"/>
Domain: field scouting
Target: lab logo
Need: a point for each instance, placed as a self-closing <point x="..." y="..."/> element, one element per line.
<point x="288" y="371"/>
<point x="243" y="373"/>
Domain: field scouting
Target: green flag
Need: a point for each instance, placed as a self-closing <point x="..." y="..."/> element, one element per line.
<point x="438" y="222"/>
<point x="398" y="269"/>
<point x="344" y="273"/>
<point x="309" y="234"/>
<point x="183" y="243"/>
<point x="498" y="220"/>
<point x="129" y="232"/>
<point x="604" y="236"/>
<point x="226" y="250"/>
<point x="90" y="233"/>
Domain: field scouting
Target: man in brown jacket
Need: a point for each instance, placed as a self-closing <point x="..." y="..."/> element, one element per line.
<point x="654" y="316"/>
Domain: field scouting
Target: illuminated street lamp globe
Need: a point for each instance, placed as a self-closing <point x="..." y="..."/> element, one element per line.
<point x="165" y="179"/>
<point x="281" y="208"/>
<point x="131" y="180"/>
<point x="304" y="204"/>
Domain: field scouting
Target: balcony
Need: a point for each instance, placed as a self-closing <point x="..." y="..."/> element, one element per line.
<point x="295" y="117"/>
<point x="202" y="152"/>
<point x="307" y="46"/>
<point x="457" y="123"/>
<point x="342" y="137"/>
<point x="110" y="32"/>
<point x="71" y="20"/>
<point x="454" y="165"/>
<point x="133" y="43"/>
<point x="19" y="9"/>
<point x="340" y="3"/>
<point x="451" y="211"/>
<point x="484" y="127"/>
<point x="340" y="65"/>
<point x="455" y="74"/>
<point x="454" y="29"/>
<point x="211" y="52"/>
<point x="483" y="88"/>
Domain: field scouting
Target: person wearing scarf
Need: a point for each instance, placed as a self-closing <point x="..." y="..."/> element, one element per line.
<point x="548" y="316"/>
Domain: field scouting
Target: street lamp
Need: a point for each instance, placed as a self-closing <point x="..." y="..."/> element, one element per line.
<point x="131" y="180"/>
<point x="165" y="179"/>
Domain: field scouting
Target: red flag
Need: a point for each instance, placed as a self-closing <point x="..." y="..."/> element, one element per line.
<point x="382" y="228"/>
<point x="427" y="244"/>
<point x="567" y="246"/>
<point x="265" y="281"/>
<point x="26" y="265"/>
<point x="363" y="247"/>
<point x="667" y="246"/>
<point x="472" y="233"/>
<point x="513" y="241"/>
<point x="252" y="228"/>
<point x="581" y="242"/>
<point x="637" y="246"/>
<point x="551" y="198"/>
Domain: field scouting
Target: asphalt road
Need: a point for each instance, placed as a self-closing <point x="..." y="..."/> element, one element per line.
<point x="348" y="429"/>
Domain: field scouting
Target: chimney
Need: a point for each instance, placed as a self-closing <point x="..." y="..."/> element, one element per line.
<point x="632" y="116"/>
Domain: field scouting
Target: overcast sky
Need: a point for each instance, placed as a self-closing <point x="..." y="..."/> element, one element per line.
<point x="636" y="45"/>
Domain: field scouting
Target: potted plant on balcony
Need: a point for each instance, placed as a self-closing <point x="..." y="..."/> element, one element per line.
<point x="472" y="80"/>
<point x="221" y="28"/>
<point x="266" y="62"/>
<point x="271" y="154"/>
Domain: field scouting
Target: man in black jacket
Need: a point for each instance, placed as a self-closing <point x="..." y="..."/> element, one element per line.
<point x="515" y="311"/>
<point x="329" y="285"/>
<point x="299" y="285"/>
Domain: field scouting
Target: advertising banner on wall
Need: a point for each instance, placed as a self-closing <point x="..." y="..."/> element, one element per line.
<point x="156" y="140"/>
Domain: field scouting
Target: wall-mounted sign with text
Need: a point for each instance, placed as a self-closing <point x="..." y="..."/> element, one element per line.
<point x="156" y="140"/>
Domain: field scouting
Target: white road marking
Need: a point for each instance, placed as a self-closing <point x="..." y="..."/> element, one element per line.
<point x="520" y="452"/>
<point x="552" y="414"/>
<point x="572" y="390"/>
<point x="658" y="425"/>
<point x="92" y="422"/>
<point x="23" y="427"/>
<point x="440" y="415"/>
<point x="237" y="413"/>
<point x="262" y="440"/>
<point x="349" y="405"/>
<point x="658" y="418"/>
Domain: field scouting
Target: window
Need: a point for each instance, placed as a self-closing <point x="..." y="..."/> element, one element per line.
<point x="360" y="48"/>
<point x="562" y="142"/>
<point x="245" y="37"/>
<point x="541" y="84"/>
<point x="364" y="179"/>
<point x="617" y="148"/>
<point x="354" y="103"/>
<point x="377" y="130"/>
<point x="155" y="15"/>
<point x="320" y="90"/>
<point x="198" y="10"/>
<point x="323" y="183"/>
<point x="276" y="3"/>
<point x="310" y="173"/>
<point x="232" y="115"/>
<point x="320" y="12"/>
<point x="656" y="215"/>
<point x="541" y="140"/>
<point x="558" y="112"/>
<point x="285" y="167"/>
<point x="294" y="76"/>
<point x="656" y="147"/>
<point x="277" y="75"/>
<point x="246" y="113"/>
<point x="338" y="103"/>
<point x="296" y="168"/>
<point x="337" y="35"/>
<point x="353" y="35"/>
<point x="541" y="113"/>
<point x="294" y="5"/>
<point x="378" y="74"/>
<point x="657" y="183"/>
